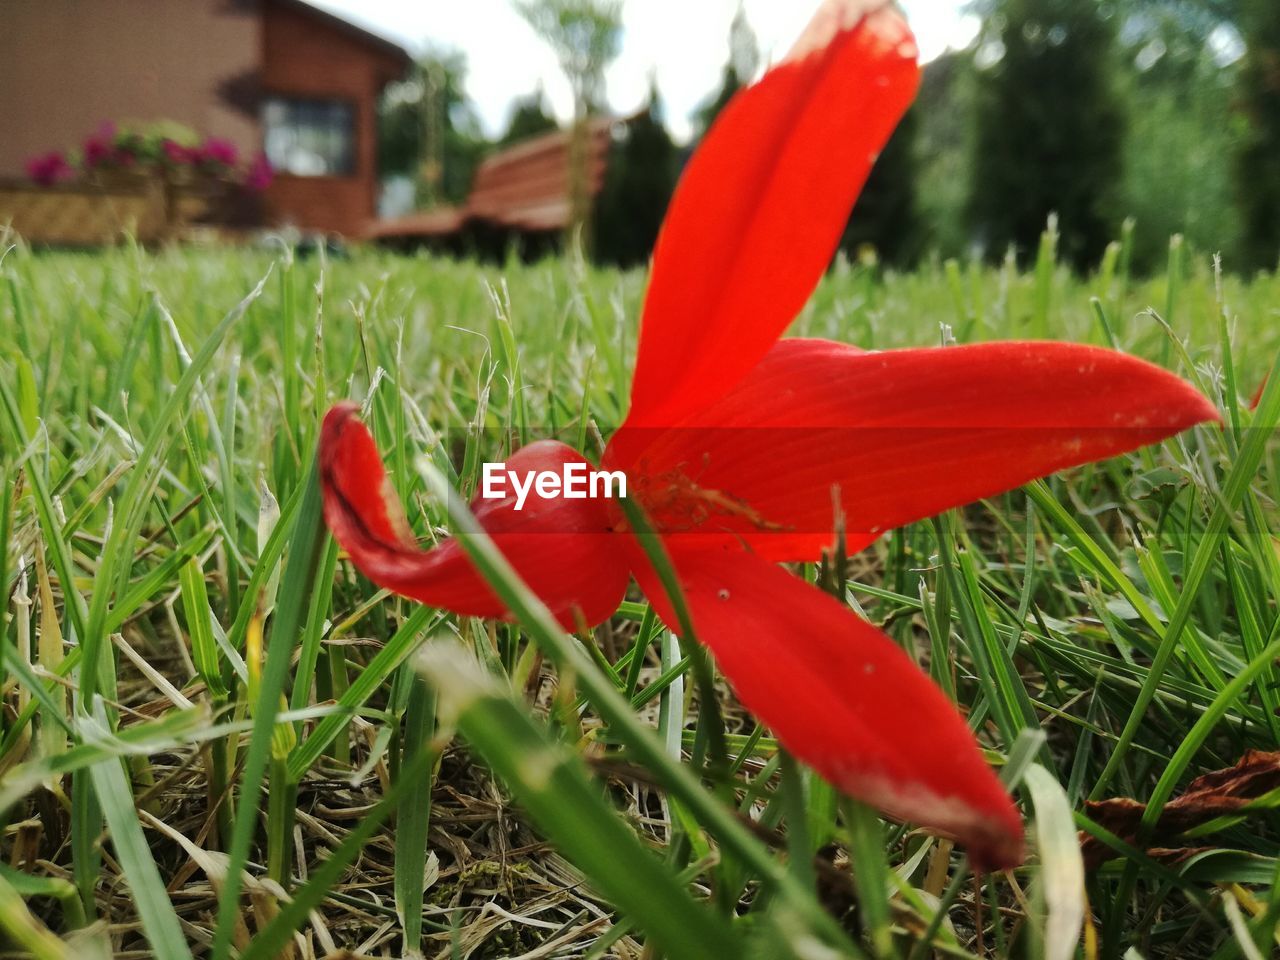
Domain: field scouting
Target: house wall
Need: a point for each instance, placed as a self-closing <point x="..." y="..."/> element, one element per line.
<point x="68" y="65"/>
<point x="304" y="56"/>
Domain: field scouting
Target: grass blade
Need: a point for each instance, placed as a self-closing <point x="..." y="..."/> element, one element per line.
<point x="554" y="787"/>
<point x="305" y="545"/>
<point x="159" y="921"/>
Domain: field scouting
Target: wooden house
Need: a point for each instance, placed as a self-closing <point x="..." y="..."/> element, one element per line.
<point x="279" y="77"/>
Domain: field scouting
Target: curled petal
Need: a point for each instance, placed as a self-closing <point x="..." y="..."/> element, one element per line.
<point x="762" y="204"/>
<point x="562" y="548"/>
<point x="884" y="439"/>
<point x="844" y="698"/>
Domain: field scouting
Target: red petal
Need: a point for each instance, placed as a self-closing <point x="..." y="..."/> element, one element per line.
<point x="845" y="699"/>
<point x="902" y="435"/>
<point x="761" y="206"/>
<point x="562" y="548"/>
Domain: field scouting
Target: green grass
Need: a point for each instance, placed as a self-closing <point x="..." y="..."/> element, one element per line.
<point x="218" y="739"/>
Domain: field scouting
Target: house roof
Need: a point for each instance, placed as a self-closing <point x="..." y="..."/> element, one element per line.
<point x="374" y="41"/>
<point x="524" y="187"/>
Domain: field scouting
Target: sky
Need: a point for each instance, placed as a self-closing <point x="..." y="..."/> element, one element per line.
<point x="684" y="43"/>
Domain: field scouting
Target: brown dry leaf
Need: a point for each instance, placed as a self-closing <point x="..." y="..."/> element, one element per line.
<point x="1216" y="794"/>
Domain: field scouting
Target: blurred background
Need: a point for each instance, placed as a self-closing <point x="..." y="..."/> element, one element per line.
<point x="495" y="126"/>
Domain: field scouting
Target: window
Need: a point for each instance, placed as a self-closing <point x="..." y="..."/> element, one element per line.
<point x="309" y="138"/>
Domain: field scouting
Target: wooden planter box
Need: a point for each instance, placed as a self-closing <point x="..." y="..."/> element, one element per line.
<point x="85" y="214"/>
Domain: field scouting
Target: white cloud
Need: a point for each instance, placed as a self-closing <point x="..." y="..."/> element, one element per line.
<point x="684" y="43"/>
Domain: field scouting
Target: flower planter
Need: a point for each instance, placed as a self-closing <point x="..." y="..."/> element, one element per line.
<point x="101" y="210"/>
<point x="80" y="214"/>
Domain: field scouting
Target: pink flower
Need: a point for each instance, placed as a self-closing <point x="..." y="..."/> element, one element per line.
<point x="100" y="147"/>
<point x="49" y="168"/>
<point x="218" y="152"/>
<point x="259" y="175"/>
<point x="176" y="154"/>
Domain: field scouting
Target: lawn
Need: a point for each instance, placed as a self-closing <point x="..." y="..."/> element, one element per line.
<point x="470" y="789"/>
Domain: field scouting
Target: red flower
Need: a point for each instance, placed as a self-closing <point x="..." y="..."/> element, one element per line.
<point x="743" y="449"/>
<point x="1257" y="395"/>
<point x="216" y="152"/>
<point x="259" y="175"/>
<point x="176" y="154"/>
<point x="100" y="148"/>
<point x="49" y="168"/>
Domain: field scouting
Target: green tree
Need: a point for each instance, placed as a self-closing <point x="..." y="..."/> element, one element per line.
<point x="529" y="118"/>
<point x="744" y="60"/>
<point x="943" y="112"/>
<point x="1258" y="153"/>
<point x="585" y="36"/>
<point x="1200" y="17"/>
<point x="643" y="166"/>
<point x="1048" y="128"/>
<point x="886" y="215"/>
<point x="1179" y="84"/>
<point x="428" y="128"/>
